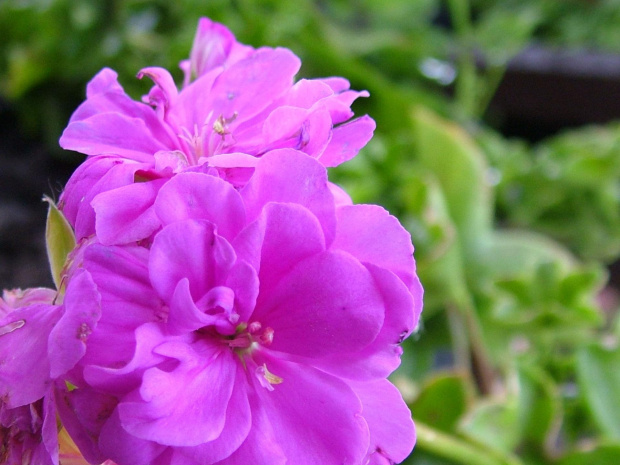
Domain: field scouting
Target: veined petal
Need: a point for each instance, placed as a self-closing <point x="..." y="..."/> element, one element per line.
<point x="380" y="358"/>
<point x="281" y="237"/>
<point x="112" y="134"/>
<point x="239" y="420"/>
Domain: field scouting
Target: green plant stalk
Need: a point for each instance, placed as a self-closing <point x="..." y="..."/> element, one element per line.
<point x="456" y="449"/>
<point x="466" y="87"/>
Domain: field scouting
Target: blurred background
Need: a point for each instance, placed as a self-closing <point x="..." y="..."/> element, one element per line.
<point x="497" y="146"/>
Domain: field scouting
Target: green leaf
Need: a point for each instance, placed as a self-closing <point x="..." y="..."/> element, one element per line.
<point x="539" y="406"/>
<point x="598" y="371"/>
<point x="494" y="423"/>
<point x="447" y="151"/>
<point x="442" y="401"/>
<point x="60" y="240"/>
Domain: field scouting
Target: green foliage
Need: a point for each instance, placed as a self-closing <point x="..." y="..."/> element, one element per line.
<point x="509" y="364"/>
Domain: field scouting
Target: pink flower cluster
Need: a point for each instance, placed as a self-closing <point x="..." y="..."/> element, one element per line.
<point x="225" y="303"/>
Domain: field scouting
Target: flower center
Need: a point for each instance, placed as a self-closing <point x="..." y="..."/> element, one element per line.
<point x="248" y="338"/>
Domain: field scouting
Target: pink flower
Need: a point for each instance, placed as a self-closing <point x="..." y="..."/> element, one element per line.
<point x="237" y="104"/>
<point x="258" y="326"/>
<point x="41" y="338"/>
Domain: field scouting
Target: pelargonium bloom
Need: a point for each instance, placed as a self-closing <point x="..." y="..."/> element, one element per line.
<point x="41" y="338"/>
<point x="258" y="326"/>
<point x="237" y="103"/>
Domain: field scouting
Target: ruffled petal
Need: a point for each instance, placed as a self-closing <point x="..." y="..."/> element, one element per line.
<point x="372" y="235"/>
<point x="126" y="214"/>
<point x="239" y="420"/>
<point x="201" y="197"/>
<point x="82" y="309"/>
<point x="290" y="176"/>
<point x="199" y="388"/>
<point x="189" y="249"/>
<point x="380" y="358"/>
<point x="282" y="236"/>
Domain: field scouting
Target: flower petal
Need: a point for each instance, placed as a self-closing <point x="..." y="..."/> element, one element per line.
<point x="24" y="363"/>
<point x="287" y="175"/>
<point x="126" y="214"/>
<point x="316" y="417"/>
<point x="82" y="309"/>
<point x="392" y="433"/>
<point x="189" y="249"/>
<point x="326" y="304"/>
<point x="283" y="235"/>
<point x="201" y="197"/>
<point x="199" y="388"/>
<point x="347" y="140"/>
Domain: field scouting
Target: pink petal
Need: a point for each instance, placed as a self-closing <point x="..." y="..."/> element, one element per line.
<point x="128" y="301"/>
<point x="124" y="448"/>
<point x="251" y="84"/>
<point x="126" y="214"/>
<point x="95" y="175"/>
<point x="380" y="358"/>
<point x="199" y="388"/>
<point x="24" y="337"/>
<point x="306" y="92"/>
<point x="214" y="309"/>
<point x="113" y="134"/>
<point x="289" y="176"/>
<point x="243" y="280"/>
<point x="372" y="235"/>
<point x="164" y="94"/>
<point x="316" y="418"/>
<point x="392" y="434"/>
<point x="347" y="140"/>
<point x="325" y="304"/>
<point x="238" y="426"/>
<point x="83" y="412"/>
<point x="120" y="380"/>
<point x="281" y="237"/>
<point x="82" y="309"/>
<point x="214" y="45"/>
<point x="189" y="249"/>
<point x="201" y="197"/>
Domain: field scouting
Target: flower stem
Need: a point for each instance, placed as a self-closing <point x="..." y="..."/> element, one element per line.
<point x="466" y="87"/>
<point x="458" y="450"/>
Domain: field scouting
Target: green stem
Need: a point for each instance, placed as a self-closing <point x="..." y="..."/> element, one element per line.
<point x="467" y="79"/>
<point x="456" y="449"/>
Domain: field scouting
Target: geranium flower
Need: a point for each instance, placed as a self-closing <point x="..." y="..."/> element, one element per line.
<point x="41" y="338"/>
<point x="237" y="104"/>
<point x="256" y="327"/>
